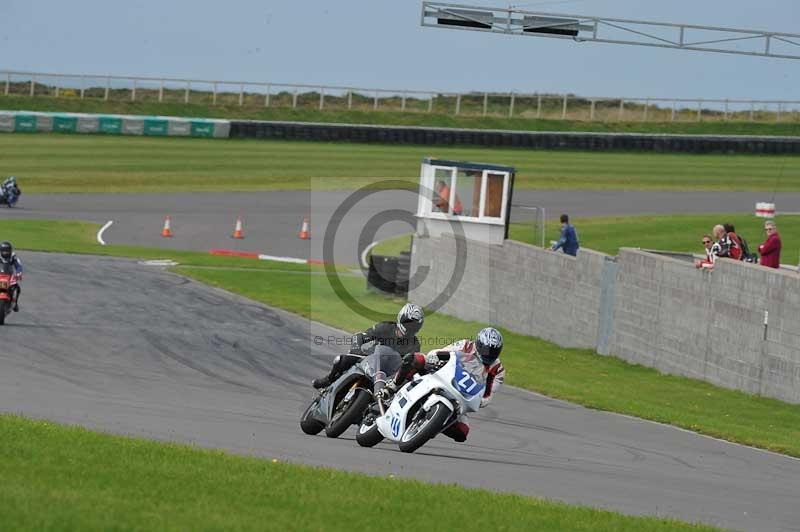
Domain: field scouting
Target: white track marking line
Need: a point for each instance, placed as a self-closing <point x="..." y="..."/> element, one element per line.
<point x="364" y="263"/>
<point x="101" y="231"/>
<point x="261" y="256"/>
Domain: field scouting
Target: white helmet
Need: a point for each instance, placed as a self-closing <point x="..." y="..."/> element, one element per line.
<point x="410" y="319"/>
<point x="488" y="344"/>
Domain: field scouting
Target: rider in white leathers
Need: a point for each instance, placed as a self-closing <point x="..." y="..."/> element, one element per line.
<point x="480" y="358"/>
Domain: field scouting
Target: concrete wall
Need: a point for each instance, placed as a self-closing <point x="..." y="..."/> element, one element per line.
<point x="520" y="287"/>
<point x="648" y="309"/>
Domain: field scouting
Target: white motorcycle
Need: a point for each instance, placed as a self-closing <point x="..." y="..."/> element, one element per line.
<point x="425" y="406"/>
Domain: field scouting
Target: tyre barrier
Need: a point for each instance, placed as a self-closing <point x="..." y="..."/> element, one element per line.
<point x="514" y="139"/>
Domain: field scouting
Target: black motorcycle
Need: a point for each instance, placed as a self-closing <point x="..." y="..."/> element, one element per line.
<point x="345" y="402"/>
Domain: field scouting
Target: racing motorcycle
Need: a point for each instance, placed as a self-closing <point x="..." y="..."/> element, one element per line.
<point x="425" y="406"/>
<point x="9" y="193"/>
<point x="8" y="283"/>
<point x="345" y="401"/>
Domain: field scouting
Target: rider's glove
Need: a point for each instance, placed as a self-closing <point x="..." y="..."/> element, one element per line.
<point x="385" y="393"/>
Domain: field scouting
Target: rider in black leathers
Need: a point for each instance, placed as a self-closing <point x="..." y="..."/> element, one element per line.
<point x="399" y="335"/>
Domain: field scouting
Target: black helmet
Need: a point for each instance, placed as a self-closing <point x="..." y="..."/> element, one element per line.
<point x="409" y="319"/>
<point x="6" y="250"/>
<point x="489" y="343"/>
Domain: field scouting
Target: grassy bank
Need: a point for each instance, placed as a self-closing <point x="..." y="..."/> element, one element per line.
<point x="63" y="478"/>
<point x="669" y="232"/>
<point x="80" y="237"/>
<point x="681" y="233"/>
<point x="576" y="375"/>
<point x="439" y="118"/>
<point x="76" y="163"/>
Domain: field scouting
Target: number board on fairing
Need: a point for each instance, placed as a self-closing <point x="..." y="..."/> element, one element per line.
<point x="466" y="383"/>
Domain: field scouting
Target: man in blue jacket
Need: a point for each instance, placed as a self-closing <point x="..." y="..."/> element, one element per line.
<point x="569" y="238"/>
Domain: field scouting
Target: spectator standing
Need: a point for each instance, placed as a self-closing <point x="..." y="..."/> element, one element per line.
<point x="770" y="250"/>
<point x="733" y="241"/>
<point x="724" y="247"/>
<point x="569" y="238"/>
<point x="708" y="262"/>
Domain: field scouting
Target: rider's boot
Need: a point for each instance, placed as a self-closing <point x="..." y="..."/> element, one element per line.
<point x="458" y="431"/>
<point x="15" y="308"/>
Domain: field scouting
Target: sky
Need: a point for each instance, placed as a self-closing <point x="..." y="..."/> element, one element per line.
<point x="380" y="43"/>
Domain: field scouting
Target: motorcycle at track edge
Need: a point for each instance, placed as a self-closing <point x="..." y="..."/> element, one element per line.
<point x="346" y="400"/>
<point x="424" y="407"/>
<point x="8" y="282"/>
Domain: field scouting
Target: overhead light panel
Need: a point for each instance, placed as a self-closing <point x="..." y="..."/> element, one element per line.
<point x="551" y="25"/>
<point x="465" y="18"/>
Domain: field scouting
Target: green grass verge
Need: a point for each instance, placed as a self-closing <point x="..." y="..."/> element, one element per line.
<point x="80" y="237"/>
<point x="577" y="375"/>
<point x="392" y="247"/>
<point x="66" y="478"/>
<point x="669" y="232"/>
<point x="94" y="163"/>
<point x="438" y="119"/>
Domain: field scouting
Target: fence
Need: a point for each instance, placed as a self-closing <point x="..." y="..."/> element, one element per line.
<point x="253" y="95"/>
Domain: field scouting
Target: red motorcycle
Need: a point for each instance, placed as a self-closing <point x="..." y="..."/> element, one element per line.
<point x="8" y="287"/>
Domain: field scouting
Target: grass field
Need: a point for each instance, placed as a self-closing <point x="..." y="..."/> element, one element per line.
<point x="667" y="233"/>
<point x="64" y="478"/>
<point x="680" y="233"/>
<point x="76" y="163"/>
<point x="439" y="118"/>
<point x="576" y="375"/>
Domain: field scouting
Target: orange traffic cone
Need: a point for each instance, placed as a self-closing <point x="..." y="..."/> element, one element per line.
<point x="238" y="232"/>
<point x="305" y="232"/>
<point x="167" y="231"/>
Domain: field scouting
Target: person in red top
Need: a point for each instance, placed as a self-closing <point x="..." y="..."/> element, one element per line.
<point x="735" y="243"/>
<point x="443" y="199"/>
<point x="770" y="250"/>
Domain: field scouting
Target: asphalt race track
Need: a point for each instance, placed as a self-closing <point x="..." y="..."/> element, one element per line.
<point x="126" y="348"/>
<point x="201" y="221"/>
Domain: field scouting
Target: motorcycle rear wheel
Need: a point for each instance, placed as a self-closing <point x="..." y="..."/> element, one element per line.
<point x="3" y="311"/>
<point x="424" y="429"/>
<point x="351" y="415"/>
<point x="309" y="425"/>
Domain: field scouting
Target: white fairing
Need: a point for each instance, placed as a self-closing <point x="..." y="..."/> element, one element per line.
<point x="452" y="385"/>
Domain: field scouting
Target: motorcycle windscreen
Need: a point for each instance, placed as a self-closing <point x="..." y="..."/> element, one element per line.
<point x="383" y="359"/>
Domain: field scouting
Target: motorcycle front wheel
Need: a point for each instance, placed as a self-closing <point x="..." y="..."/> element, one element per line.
<point x="368" y="434"/>
<point x="350" y="414"/>
<point x="424" y="427"/>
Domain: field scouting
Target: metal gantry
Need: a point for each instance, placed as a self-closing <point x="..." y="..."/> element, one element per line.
<point x="582" y="28"/>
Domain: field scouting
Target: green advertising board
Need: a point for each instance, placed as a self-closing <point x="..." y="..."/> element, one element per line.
<point x="201" y="128"/>
<point x="156" y="127"/>
<point x="65" y="124"/>
<point x="25" y="123"/>
<point x="110" y="124"/>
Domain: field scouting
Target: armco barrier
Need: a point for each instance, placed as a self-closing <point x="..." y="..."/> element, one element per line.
<point x="517" y="139"/>
<point x="735" y="327"/>
<point x="29" y="121"/>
